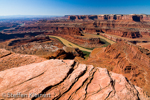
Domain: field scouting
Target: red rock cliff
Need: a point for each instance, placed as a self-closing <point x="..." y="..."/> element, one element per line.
<point x="126" y="59"/>
<point x="131" y="17"/>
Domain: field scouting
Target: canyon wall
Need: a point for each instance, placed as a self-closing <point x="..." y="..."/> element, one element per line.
<point x="72" y="34"/>
<point x="131" y="17"/>
<point x="131" y="26"/>
<point x="124" y="58"/>
<point x="118" y="31"/>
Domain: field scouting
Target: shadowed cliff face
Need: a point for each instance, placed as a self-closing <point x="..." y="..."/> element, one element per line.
<point x="136" y="18"/>
<point x="72" y="17"/>
<point x="126" y="59"/>
<point x="132" y="17"/>
<point x="65" y="80"/>
<point x="92" y="17"/>
<point x="4" y="37"/>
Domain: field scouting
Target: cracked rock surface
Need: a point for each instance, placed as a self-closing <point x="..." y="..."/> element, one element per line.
<point x="126" y="59"/>
<point x="67" y="80"/>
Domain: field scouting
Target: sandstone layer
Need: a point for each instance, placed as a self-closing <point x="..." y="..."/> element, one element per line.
<point x="131" y="26"/>
<point x="72" y="34"/>
<point x="39" y="45"/>
<point x="66" y="80"/>
<point x="10" y="60"/>
<point x="131" y="17"/>
<point x="118" y="25"/>
<point x="42" y="46"/>
<point x="124" y="58"/>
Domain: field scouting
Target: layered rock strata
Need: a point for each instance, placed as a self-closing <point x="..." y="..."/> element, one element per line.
<point x="66" y="80"/>
<point x="131" y="17"/>
<point x="124" y="58"/>
<point x="10" y="60"/>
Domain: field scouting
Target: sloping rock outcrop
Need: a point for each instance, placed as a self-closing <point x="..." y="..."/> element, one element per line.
<point x="66" y="79"/>
<point x="124" y="58"/>
<point x="10" y="59"/>
<point x="65" y="53"/>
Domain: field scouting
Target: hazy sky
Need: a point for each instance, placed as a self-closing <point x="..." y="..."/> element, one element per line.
<point x="73" y="7"/>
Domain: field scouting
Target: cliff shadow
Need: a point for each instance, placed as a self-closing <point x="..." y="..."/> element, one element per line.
<point x="4" y="37"/>
<point x="136" y="18"/>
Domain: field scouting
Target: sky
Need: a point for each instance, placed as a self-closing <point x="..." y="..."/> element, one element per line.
<point x="73" y="7"/>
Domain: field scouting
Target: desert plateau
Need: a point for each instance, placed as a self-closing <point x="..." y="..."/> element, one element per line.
<point x="82" y="53"/>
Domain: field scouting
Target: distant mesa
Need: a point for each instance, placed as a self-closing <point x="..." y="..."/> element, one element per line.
<point x="131" y="17"/>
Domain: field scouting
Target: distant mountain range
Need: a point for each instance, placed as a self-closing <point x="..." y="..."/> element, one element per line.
<point x="27" y="16"/>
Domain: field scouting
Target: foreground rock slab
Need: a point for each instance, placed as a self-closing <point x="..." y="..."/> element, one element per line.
<point x="66" y="80"/>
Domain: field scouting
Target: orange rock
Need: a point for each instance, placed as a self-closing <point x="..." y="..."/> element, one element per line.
<point x="124" y="58"/>
<point x="4" y="53"/>
<point x="9" y="59"/>
<point x="66" y="79"/>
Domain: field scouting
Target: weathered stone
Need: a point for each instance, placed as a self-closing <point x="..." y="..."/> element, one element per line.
<point x="65" y="79"/>
<point x="124" y="58"/>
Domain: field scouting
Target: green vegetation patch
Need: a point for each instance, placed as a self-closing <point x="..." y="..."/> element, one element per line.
<point x="86" y="54"/>
<point x="106" y="43"/>
<point x="70" y="44"/>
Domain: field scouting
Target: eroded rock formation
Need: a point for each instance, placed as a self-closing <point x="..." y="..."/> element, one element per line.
<point x="124" y="58"/>
<point x="65" y="53"/>
<point x="10" y="60"/>
<point x="65" y="80"/>
<point x="39" y="45"/>
<point x="131" y="26"/>
<point x="72" y="34"/>
<point x="131" y="17"/>
<point x="42" y="46"/>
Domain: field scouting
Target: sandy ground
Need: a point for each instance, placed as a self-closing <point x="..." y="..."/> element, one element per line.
<point x="110" y="41"/>
<point x="69" y="44"/>
<point x="92" y="35"/>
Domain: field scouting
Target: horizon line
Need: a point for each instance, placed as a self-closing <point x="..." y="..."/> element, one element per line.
<point x="76" y="14"/>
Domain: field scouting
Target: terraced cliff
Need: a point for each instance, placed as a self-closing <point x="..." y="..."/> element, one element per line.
<point x="124" y="58"/>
